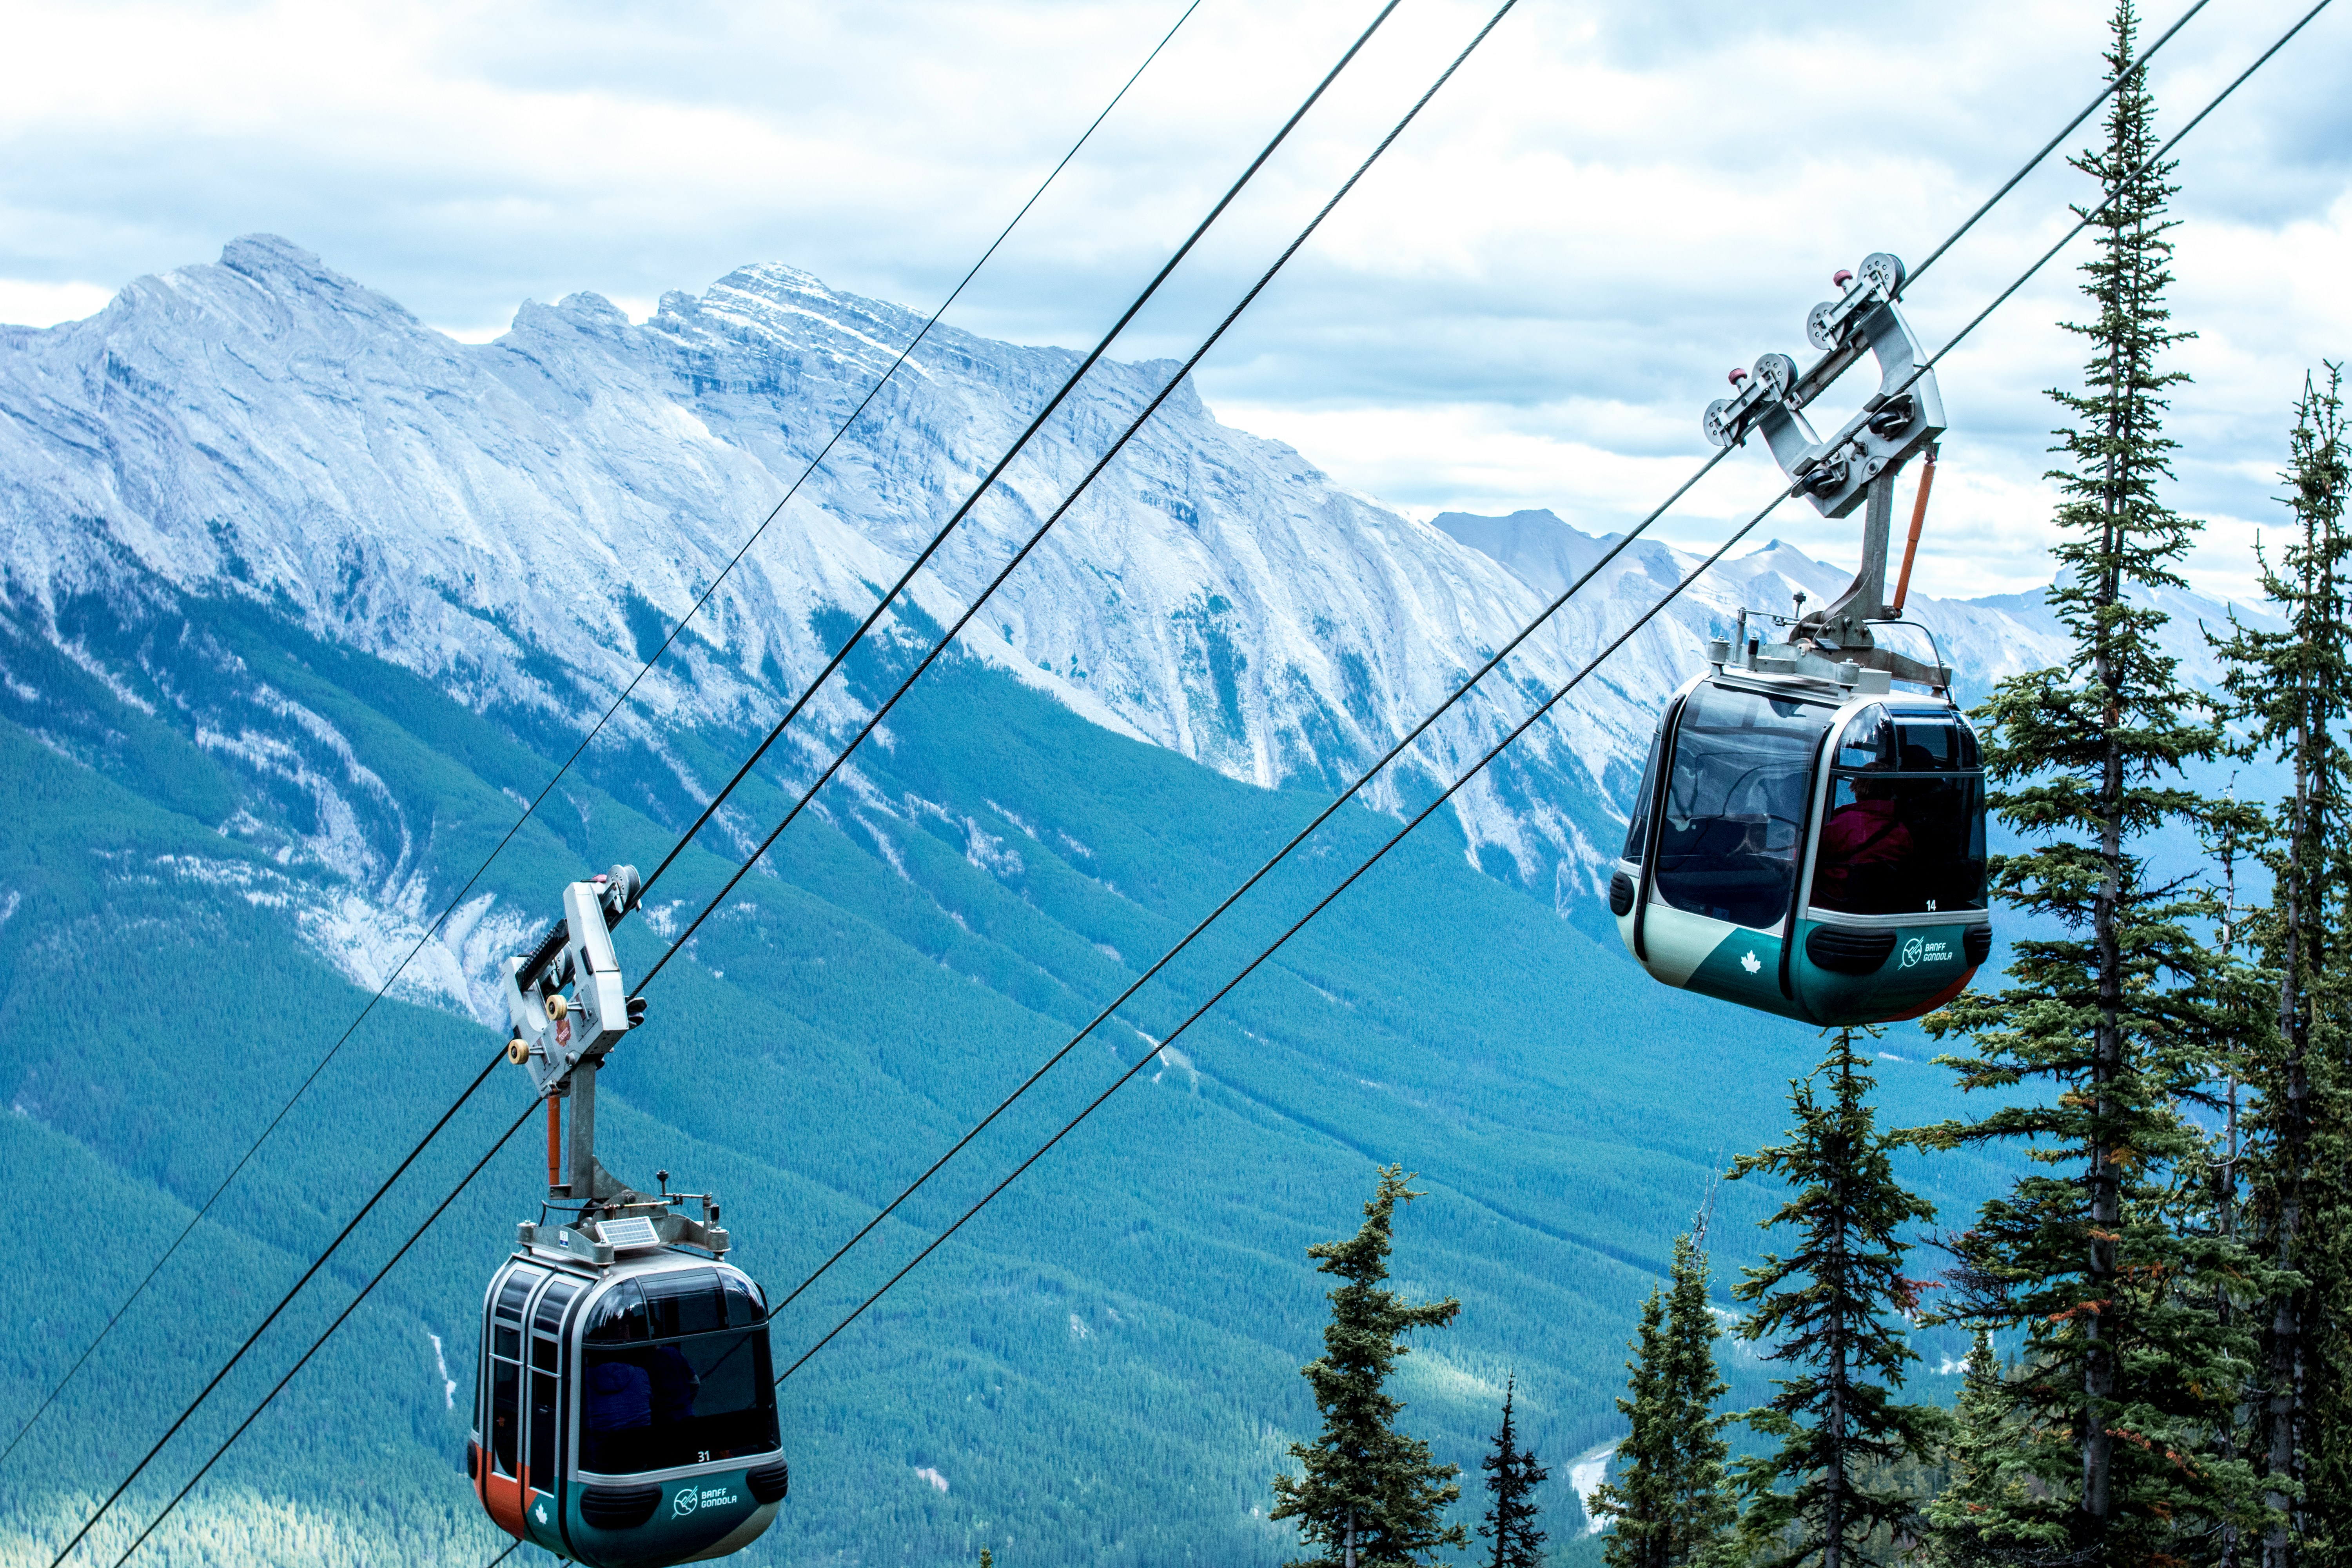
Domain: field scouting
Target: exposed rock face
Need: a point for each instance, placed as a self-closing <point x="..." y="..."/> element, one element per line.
<point x="520" y="522"/>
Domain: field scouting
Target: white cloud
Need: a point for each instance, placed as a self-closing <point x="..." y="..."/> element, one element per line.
<point x="25" y="303"/>
<point x="1527" y="304"/>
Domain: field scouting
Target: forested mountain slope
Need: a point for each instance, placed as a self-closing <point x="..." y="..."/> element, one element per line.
<point x="1102" y="1367"/>
<point x="303" y="600"/>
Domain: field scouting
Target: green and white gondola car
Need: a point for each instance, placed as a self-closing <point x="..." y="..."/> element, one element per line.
<point x="1808" y="849"/>
<point x="631" y="1408"/>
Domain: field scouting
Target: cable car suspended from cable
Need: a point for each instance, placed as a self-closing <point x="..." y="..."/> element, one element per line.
<point x="1808" y="839"/>
<point x="624" y="1407"/>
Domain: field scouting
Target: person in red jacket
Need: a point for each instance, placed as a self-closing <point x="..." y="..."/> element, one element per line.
<point x="1864" y="845"/>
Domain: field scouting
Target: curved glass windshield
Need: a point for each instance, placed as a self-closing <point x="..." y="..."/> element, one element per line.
<point x="1904" y="830"/>
<point x="1637" y="828"/>
<point x="677" y="1401"/>
<point x="675" y="1370"/>
<point x="1734" y="805"/>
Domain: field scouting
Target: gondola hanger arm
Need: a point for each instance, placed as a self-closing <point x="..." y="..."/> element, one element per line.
<point x="568" y="1005"/>
<point x="1896" y="421"/>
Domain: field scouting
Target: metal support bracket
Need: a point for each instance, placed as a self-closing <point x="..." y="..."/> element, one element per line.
<point x="1854" y="467"/>
<point x="1903" y="415"/>
<point x="553" y="1033"/>
<point x="568" y="1005"/>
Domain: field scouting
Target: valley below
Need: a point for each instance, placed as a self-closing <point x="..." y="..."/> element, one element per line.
<point x="302" y="603"/>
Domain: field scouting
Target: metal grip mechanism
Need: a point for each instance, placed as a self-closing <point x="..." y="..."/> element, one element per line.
<point x="1857" y="464"/>
<point x="1902" y="417"/>
<point x="569" y="1005"/>
<point x="554" y="1033"/>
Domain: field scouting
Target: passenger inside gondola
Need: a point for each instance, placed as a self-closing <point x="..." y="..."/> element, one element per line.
<point x="620" y="1397"/>
<point x="1904" y="832"/>
<point x="1734" y="802"/>
<point x="1865" y="845"/>
<point x="677" y="1372"/>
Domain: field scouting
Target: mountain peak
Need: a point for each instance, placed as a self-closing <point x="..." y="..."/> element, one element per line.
<point x="1534" y="545"/>
<point x="273" y="255"/>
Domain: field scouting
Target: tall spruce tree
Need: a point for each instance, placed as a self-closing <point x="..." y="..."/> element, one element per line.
<point x="1970" y="1524"/>
<point x="1371" y="1496"/>
<point x="2128" y="1373"/>
<point x="1671" y="1502"/>
<point x="2291" y="692"/>
<point x="1834" y="1307"/>
<point x="1512" y="1476"/>
<point x="1639" y="1502"/>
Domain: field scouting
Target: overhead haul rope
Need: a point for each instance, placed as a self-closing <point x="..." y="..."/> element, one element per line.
<point x="1953" y="343"/>
<point x="1548" y="703"/>
<point x="1175" y="381"/>
<point x="1366" y="777"/>
<point x="615" y="707"/>
<point x="1255" y="164"/>
<point x="1460" y="691"/>
<point x="1068" y="385"/>
<point x="373" y="1279"/>
<point x="2064" y="132"/>
<point x="1272" y="947"/>
<point x="1258" y="163"/>
<point x="283" y="1303"/>
<point x="941" y="644"/>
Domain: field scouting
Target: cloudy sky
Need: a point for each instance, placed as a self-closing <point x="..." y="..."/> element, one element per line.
<point x="1527" y="304"/>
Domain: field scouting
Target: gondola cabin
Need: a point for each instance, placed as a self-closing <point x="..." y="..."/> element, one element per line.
<point x="1808" y="848"/>
<point x="624" y="1416"/>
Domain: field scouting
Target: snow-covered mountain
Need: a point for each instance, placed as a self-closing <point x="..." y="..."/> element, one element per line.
<point x="517" y="521"/>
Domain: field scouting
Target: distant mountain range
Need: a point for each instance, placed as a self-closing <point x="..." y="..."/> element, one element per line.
<point x="301" y="600"/>
<point x="517" y="522"/>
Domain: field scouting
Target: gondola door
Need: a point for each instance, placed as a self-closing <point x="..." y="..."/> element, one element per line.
<point x="517" y="1459"/>
<point x="1894" y="921"/>
<point x="496" y="1456"/>
<point x="544" y="1430"/>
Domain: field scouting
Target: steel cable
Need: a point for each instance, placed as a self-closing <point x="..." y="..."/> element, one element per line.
<point x="1069" y="384"/>
<point x="283" y="1303"/>
<point x="1460" y="691"/>
<point x="598" y="729"/>
<point x="2050" y="146"/>
<point x="373" y="1279"/>
<point x="941" y="644"/>
<point x="1228" y="321"/>
<point x="1271" y="949"/>
<point x="1258" y="163"/>
<point x="1558" y="695"/>
<point x="1486" y="759"/>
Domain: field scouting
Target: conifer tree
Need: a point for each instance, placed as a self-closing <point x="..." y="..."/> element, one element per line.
<point x="1512" y="1475"/>
<point x="1976" y="1519"/>
<point x="2292" y="689"/>
<point x="1832" y="1308"/>
<point x="1639" y="1501"/>
<point x="2128" y="1373"/>
<point x="1671" y="1503"/>
<point x="1371" y="1496"/>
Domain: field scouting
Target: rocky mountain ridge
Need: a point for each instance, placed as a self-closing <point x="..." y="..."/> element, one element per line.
<point x="517" y="522"/>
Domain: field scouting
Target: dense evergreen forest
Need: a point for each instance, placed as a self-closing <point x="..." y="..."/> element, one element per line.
<point x="2077" y="1296"/>
<point x="2159" y="1304"/>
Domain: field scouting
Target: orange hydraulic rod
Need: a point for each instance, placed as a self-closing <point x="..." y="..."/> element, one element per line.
<point x="554" y="1142"/>
<point x="1919" y="516"/>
